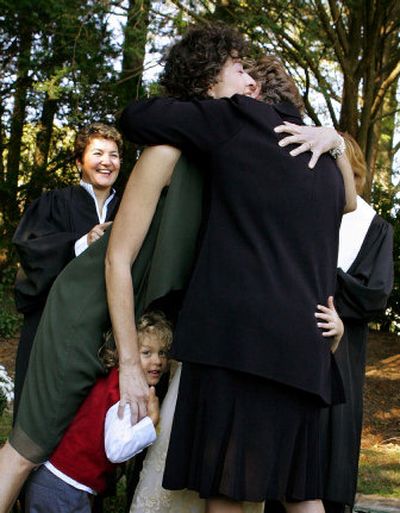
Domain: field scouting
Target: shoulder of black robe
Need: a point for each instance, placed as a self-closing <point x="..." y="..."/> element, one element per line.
<point x="45" y="240"/>
<point x="364" y="290"/>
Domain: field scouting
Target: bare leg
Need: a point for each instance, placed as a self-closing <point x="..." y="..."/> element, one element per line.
<point x="315" y="506"/>
<point x="14" y="469"/>
<point x="223" y="506"/>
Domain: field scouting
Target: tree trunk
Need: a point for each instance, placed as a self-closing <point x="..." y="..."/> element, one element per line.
<point x="130" y="84"/>
<point x="2" y="150"/>
<point x="383" y="152"/>
<point x="43" y="138"/>
<point x="17" y="123"/>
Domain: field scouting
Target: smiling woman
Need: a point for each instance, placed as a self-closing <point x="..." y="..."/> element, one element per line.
<point x="100" y="164"/>
<point x="60" y="225"/>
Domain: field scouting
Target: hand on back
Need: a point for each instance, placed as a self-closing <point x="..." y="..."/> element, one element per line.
<point x="317" y="140"/>
<point x="330" y="322"/>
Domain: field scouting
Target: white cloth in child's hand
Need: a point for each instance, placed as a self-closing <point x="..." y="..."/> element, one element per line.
<point x="122" y="441"/>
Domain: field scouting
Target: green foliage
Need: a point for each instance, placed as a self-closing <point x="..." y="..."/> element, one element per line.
<point x="3" y="402"/>
<point x="5" y="425"/>
<point x="379" y="472"/>
<point x="154" y="89"/>
<point x="387" y="204"/>
<point x="52" y="86"/>
<point x="10" y="320"/>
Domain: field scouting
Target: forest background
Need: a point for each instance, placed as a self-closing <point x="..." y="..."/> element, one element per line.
<point x="64" y="64"/>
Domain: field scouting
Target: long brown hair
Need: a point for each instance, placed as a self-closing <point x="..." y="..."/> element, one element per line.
<point x="357" y="161"/>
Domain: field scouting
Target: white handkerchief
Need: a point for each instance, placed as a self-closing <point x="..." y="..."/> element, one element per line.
<point x="122" y="441"/>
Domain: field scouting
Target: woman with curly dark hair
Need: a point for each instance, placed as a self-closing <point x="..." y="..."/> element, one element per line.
<point x="256" y="367"/>
<point x="273" y="86"/>
<point x="193" y="65"/>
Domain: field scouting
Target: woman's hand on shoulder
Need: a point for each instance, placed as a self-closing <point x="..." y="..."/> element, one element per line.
<point x="317" y="140"/>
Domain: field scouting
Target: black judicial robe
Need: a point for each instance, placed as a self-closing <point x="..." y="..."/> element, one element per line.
<point x="44" y="241"/>
<point x="361" y="292"/>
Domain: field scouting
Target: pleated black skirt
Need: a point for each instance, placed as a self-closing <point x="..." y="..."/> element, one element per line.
<point x="243" y="437"/>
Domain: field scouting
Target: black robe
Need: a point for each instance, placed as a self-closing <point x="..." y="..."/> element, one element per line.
<point x="361" y="292"/>
<point x="253" y="256"/>
<point x="45" y="239"/>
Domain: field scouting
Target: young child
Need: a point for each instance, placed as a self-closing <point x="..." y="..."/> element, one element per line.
<point x="97" y="440"/>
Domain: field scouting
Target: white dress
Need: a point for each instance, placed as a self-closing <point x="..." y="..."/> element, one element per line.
<point x="150" y="496"/>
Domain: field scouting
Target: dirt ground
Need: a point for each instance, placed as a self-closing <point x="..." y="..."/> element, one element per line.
<point x="382" y="388"/>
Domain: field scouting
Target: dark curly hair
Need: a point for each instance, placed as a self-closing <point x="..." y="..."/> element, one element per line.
<point x="193" y="64"/>
<point x="276" y="84"/>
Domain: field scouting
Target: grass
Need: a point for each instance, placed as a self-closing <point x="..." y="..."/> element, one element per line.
<point x="380" y="471"/>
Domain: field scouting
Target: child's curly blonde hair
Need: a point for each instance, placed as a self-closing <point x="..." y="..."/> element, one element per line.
<point x="150" y="323"/>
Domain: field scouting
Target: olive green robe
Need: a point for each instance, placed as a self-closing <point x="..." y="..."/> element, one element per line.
<point x="64" y="362"/>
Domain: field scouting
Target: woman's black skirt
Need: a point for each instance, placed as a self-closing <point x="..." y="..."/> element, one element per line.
<point x="243" y="437"/>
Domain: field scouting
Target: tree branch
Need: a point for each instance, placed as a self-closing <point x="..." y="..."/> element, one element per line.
<point x="309" y="108"/>
<point x="186" y="10"/>
<point x="305" y="61"/>
<point x="332" y="35"/>
<point x="383" y="88"/>
<point x="341" y="30"/>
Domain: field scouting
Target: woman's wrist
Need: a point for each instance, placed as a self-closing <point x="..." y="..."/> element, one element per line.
<point x="339" y="149"/>
<point x="128" y="361"/>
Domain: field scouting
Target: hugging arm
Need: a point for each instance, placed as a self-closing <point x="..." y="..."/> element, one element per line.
<point x="151" y="174"/>
<point x="319" y="140"/>
<point x="198" y="125"/>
